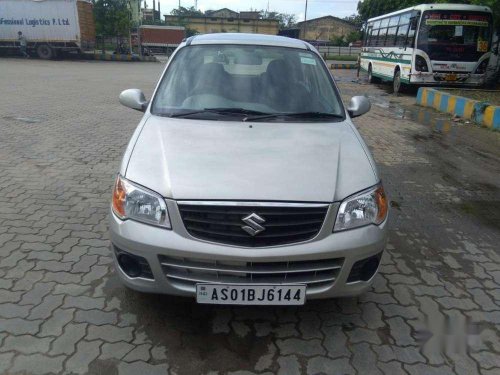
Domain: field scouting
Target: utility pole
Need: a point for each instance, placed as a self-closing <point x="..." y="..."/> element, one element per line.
<point x="305" y="22"/>
<point x="196" y="4"/>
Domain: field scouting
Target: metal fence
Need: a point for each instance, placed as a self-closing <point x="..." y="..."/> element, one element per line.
<point x="328" y="50"/>
<point x="337" y="50"/>
<point x="122" y="44"/>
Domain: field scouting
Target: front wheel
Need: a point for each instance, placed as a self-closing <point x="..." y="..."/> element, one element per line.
<point x="44" y="52"/>
<point x="371" y="78"/>
<point x="397" y="85"/>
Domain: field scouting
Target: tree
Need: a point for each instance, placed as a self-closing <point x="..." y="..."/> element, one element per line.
<point x="285" y="20"/>
<point x="186" y="12"/>
<point x="112" y="17"/>
<point x="183" y="12"/>
<point x="353" y="36"/>
<point x="355" y="19"/>
<point x="495" y="7"/>
<point x="338" y="40"/>
<point x="373" y="8"/>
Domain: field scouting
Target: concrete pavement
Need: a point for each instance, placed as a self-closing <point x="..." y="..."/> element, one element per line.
<point x="63" y="310"/>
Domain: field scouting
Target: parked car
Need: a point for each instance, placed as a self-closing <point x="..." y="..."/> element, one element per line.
<point x="246" y="181"/>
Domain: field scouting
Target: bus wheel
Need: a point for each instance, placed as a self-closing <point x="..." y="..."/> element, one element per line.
<point x="397" y="85"/>
<point x="371" y="78"/>
<point x="44" y="52"/>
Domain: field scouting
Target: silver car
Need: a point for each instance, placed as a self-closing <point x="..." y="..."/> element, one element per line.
<point x="246" y="181"/>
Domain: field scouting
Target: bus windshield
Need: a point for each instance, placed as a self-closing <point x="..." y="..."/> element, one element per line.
<point x="455" y="35"/>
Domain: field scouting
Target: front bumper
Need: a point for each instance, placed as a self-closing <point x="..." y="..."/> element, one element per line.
<point x="438" y="79"/>
<point x="154" y="244"/>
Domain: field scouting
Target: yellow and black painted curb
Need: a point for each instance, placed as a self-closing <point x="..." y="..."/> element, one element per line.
<point x="344" y="66"/>
<point x="480" y="112"/>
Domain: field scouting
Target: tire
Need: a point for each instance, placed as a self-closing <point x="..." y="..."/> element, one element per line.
<point x="397" y="85"/>
<point x="371" y="78"/>
<point x="45" y="52"/>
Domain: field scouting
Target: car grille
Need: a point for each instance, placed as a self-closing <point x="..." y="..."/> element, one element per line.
<point x="186" y="272"/>
<point x="223" y="222"/>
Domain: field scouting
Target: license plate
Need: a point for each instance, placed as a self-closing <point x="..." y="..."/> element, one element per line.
<point x="224" y="294"/>
<point x="450" y="77"/>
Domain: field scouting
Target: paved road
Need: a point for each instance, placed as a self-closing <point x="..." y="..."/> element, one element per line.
<point x="62" y="309"/>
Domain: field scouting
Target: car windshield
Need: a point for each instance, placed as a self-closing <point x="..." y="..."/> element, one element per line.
<point x="234" y="82"/>
<point x="455" y="36"/>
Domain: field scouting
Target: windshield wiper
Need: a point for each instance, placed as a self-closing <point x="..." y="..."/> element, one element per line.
<point x="223" y="111"/>
<point x="314" y="115"/>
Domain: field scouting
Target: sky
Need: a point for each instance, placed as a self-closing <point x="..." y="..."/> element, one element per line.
<point x="316" y="8"/>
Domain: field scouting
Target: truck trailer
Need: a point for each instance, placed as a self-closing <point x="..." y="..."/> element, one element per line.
<point x="162" y="39"/>
<point x="49" y="26"/>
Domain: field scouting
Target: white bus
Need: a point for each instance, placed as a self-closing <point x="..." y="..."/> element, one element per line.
<point x="429" y="44"/>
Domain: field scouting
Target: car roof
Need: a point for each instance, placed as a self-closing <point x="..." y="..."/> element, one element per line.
<point x="248" y="39"/>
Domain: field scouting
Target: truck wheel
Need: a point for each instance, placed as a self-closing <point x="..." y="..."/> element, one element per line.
<point x="44" y="52"/>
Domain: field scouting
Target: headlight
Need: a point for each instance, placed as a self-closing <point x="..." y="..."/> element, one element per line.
<point x="137" y="203"/>
<point x="421" y="64"/>
<point x="481" y="69"/>
<point x="368" y="207"/>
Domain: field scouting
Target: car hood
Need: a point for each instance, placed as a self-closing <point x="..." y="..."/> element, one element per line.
<point x="227" y="160"/>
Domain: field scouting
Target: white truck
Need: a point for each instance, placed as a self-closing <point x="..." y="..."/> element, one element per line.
<point x="49" y="26"/>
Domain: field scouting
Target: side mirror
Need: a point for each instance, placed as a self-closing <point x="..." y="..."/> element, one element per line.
<point x="134" y="98"/>
<point x="358" y="106"/>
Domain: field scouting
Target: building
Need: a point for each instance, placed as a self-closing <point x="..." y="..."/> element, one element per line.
<point x="151" y="15"/>
<point x="222" y="13"/>
<point x="324" y="28"/>
<point x="252" y="15"/>
<point x="226" y="21"/>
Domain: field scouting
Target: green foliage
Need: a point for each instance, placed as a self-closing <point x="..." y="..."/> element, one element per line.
<point x="190" y="32"/>
<point x="112" y="17"/>
<point x="285" y="20"/>
<point x="355" y="19"/>
<point x="186" y="12"/>
<point x="354" y="36"/>
<point x="495" y="7"/>
<point x="373" y="8"/>
<point x="157" y="22"/>
<point x="339" y="40"/>
<point x="344" y="40"/>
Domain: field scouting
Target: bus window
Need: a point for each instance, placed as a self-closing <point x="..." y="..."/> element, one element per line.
<point x="381" y="37"/>
<point x="366" y="37"/>
<point x="404" y="19"/>
<point x="410" y="39"/>
<point x="373" y="38"/>
<point x="394" y="21"/>
<point x="401" y="37"/>
<point x="390" y="41"/>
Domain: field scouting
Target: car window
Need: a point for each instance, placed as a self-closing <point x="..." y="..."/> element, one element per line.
<point x="263" y="79"/>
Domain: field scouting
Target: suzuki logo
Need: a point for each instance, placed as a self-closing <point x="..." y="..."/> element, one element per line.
<point x="253" y="226"/>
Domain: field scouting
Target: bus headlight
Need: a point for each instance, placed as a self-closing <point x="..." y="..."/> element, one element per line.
<point x="481" y="69"/>
<point x="421" y="64"/>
